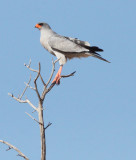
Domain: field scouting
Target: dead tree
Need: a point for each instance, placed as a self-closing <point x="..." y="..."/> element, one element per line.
<point x="39" y="109"/>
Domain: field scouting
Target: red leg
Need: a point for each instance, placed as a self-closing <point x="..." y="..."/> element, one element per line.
<point x="58" y="76"/>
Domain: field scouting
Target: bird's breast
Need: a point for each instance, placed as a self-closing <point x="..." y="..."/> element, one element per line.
<point x="44" y="43"/>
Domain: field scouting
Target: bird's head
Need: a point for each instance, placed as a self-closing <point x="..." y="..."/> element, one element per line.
<point x="42" y="25"/>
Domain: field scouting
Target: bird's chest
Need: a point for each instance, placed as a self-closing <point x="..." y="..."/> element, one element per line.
<point x="44" y="43"/>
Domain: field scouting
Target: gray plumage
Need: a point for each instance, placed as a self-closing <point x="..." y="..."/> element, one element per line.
<point x="66" y="47"/>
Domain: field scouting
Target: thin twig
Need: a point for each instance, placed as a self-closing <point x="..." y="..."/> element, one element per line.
<point x="45" y="90"/>
<point x="42" y="80"/>
<point x="28" y="101"/>
<point x="29" y="62"/>
<point x="69" y="75"/>
<point x="16" y="149"/>
<point x="38" y="74"/>
<point x="25" y="88"/>
<point x="29" y="86"/>
<point x="31" y="69"/>
<point x="28" y="66"/>
<point x="63" y="76"/>
<point x="8" y="149"/>
<point x="34" y="111"/>
<point x="23" y="101"/>
<point x="17" y="99"/>
<point x="53" y="69"/>
<point x="33" y="118"/>
<point x="48" y="125"/>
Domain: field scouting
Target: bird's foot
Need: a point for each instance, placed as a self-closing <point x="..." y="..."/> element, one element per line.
<point x="57" y="79"/>
<point x="58" y="76"/>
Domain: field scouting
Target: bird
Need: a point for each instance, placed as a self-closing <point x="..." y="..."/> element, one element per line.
<point x="65" y="48"/>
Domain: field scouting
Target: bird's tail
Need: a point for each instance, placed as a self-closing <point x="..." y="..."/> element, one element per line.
<point x="96" y="55"/>
<point x="93" y="53"/>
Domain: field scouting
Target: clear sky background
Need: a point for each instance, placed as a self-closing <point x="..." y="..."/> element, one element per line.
<point x="93" y="114"/>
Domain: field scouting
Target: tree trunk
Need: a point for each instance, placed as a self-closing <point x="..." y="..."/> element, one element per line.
<point x="42" y="132"/>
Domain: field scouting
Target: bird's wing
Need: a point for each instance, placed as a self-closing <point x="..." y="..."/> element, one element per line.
<point x="71" y="47"/>
<point x="66" y="45"/>
<point x="78" y="41"/>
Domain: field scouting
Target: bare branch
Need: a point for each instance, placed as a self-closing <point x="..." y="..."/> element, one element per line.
<point x="51" y="86"/>
<point x="17" y="99"/>
<point x="31" y="69"/>
<point x="8" y="149"/>
<point x="23" y="101"/>
<point x="28" y="66"/>
<point x="29" y="62"/>
<point x="48" y="125"/>
<point x="63" y="76"/>
<point x="33" y="118"/>
<point x="69" y="75"/>
<point x="56" y="60"/>
<point x="42" y="131"/>
<point x="42" y="80"/>
<point x="34" y="111"/>
<point x="29" y="86"/>
<point x="53" y="69"/>
<point x="25" y="88"/>
<point x="41" y="98"/>
<point x="16" y="149"/>
<point x="28" y="101"/>
<point x="36" y="83"/>
<point x="45" y="90"/>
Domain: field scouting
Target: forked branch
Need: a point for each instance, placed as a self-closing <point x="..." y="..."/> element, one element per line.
<point x="39" y="109"/>
<point x="25" y="88"/>
<point x="16" y="149"/>
<point x="23" y="101"/>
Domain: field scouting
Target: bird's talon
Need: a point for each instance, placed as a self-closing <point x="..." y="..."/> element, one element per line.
<point x="56" y="79"/>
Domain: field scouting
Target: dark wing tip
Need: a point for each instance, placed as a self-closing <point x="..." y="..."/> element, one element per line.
<point x="96" y="49"/>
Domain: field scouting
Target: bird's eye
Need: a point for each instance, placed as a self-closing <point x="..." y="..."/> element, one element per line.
<point x="41" y="24"/>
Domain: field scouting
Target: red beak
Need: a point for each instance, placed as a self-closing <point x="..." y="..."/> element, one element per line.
<point x="37" y="26"/>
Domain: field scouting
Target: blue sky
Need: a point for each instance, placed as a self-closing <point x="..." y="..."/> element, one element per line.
<point x="93" y="114"/>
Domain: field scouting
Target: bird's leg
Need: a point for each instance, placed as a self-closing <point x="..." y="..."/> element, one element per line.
<point x="58" y="76"/>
